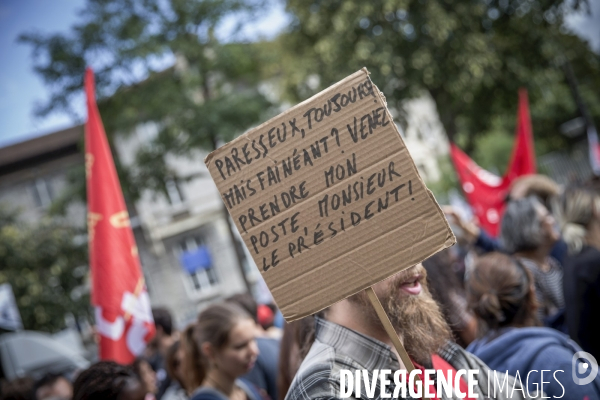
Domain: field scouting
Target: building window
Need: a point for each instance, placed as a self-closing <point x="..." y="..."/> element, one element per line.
<point x="174" y="193"/>
<point x="42" y="192"/>
<point x="196" y="261"/>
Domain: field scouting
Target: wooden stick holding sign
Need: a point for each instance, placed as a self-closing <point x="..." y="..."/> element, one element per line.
<point x="328" y="200"/>
<point x="389" y="329"/>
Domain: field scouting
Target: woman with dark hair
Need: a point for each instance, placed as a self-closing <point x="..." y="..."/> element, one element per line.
<point x="144" y="371"/>
<point x="529" y="232"/>
<point x="107" y="380"/>
<point x="579" y="209"/>
<point x="174" y="367"/>
<point x="500" y="290"/>
<point x="224" y="336"/>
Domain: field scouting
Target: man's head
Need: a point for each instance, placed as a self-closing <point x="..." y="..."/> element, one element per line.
<point x="164" y="338"/>
<point x="53" y="386"/>
<point x="413" y="312"/>
<point x="163" y="321"/>
<point x="527" y="225"/>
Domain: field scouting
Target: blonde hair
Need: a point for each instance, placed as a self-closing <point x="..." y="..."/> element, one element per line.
<point x="576" y="208"/>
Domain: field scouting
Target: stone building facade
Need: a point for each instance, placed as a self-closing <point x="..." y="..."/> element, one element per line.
<point x="34" y="173"/>
<point x="189" y="220"/>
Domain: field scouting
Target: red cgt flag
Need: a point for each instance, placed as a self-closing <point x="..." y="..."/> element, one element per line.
<point x="485" y="191"/>
<point x="121" y="303"/>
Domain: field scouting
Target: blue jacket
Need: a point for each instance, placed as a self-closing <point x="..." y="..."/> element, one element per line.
<point x="521" y="350"/>
<point x="207" y="393"/>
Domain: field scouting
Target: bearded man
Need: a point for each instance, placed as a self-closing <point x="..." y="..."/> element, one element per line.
<point x="350" y="336"/>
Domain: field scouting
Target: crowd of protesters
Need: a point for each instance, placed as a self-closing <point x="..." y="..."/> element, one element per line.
<point x="514" y="306"/>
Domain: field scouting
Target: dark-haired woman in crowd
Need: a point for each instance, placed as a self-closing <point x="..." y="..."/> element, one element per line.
<point x="147" y="375"/>
<point x="108" y="380"/>
<point x="175" y="371"/>
<point x="224" y="336"/>
<point x="529" y="232"/>
<point x="579" y="210"/>
<point x="501" y="292"/>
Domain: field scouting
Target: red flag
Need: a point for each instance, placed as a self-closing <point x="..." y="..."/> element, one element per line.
<point x="485" y="191"/>
<point x="119" y="296"/>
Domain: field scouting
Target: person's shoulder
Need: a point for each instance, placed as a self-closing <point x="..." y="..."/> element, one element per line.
<point x="206" y="393"/>
<point x="501" y="383"/>
<point x="587" y="256"/>
<point x="556" y="351"/>
<point x="584" y="266"/>
<point x="252" y="391"/>
<point x="174" y="392"/>
<point x="316" y="377"/>
<point x="265" y="342"/>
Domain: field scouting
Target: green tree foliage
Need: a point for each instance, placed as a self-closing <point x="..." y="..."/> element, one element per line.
<point x="494" y="148"/>
<point x="470" y="55"/>
<point x="46" y="269"/>
<point x="446" y="183"/>
<point x="156" y="62"/>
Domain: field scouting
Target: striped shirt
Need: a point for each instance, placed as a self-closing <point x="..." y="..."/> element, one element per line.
<point x="336" y="348"/>
<point x="548" y="286"/>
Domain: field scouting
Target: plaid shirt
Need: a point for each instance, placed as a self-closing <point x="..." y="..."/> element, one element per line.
<point x="336" y="348"/>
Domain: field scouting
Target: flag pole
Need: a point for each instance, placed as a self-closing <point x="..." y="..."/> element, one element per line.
<point x="591" y="131"/>
<point x="122" y="310"/>
<point x="574" y="86"/>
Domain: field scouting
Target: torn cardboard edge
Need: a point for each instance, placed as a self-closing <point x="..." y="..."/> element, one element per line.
<point x="361" y="149"/>
<point x="450" y="241"/>
<point x="208" y="158"/>
<point x="450" y="238"/>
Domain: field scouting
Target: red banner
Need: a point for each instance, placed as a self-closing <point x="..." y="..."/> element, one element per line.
<point x="121" y="303"/>
<point x="485" y="191"/>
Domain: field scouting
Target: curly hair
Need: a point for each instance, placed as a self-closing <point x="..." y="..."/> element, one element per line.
<point x="18" y="389"/>
<point x="103" y="380"/>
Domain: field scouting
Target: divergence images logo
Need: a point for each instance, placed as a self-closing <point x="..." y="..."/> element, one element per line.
<point x="581" y="368"/>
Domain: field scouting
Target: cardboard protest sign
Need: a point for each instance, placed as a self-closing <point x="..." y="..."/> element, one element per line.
<point x="327" y="198"/>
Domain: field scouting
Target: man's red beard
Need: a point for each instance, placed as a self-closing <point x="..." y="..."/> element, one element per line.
<point x="417" y="318"/>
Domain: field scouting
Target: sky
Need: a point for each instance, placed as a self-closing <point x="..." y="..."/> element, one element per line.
<point x="21" y="89"/>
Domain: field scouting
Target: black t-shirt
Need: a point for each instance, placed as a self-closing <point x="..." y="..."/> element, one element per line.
<point x="582" y="298"/>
